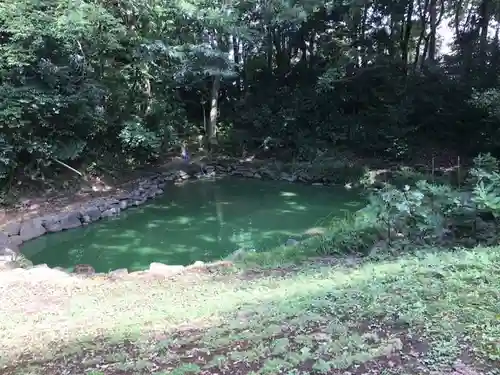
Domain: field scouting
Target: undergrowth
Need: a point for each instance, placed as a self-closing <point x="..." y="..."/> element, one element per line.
<point x="421" y="214"/>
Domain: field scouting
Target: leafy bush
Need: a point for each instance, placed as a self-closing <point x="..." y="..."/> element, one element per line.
<point x="418" y="216"/>
<point x="424" y="214"/>
<point x="486" y="189"/>
<point x="135" y="137"/>
<point x="352" y="235"/>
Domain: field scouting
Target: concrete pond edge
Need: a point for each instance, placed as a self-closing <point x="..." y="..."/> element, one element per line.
<point x="14" y="234"/>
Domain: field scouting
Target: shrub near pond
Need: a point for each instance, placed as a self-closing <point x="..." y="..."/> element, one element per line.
<point x="420" y="215"/>
<point x="429" y="214"/>
<point x="401" y="217"/>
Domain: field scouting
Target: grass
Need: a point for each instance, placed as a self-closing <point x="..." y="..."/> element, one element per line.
<point x="434" y="312"/>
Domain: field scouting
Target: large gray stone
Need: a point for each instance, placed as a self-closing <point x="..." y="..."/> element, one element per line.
<point x="70" y="221"/>
<point x="92" y="213"/>
<point x="31" y="229"/>
<point x="150" y="194"/>
<point x="164" y="269"/>
<point x="182" y="175"/>
<point x="112" y="202"/>
<point x="53" y="227"/>
<point x="287" y="177"/>
<point x="137" y="195"/>
<point x="268" y="174"/>
<point x="197" y="264"/>
<point x="7" y="248"/>
<point x="63" y="221"/>
<point x="138" y="202"/>
<point x="113" y="211"/>
<point x="105" y="204"/>
<point x="4" y="238"/>
<point x="123" y="196"/>
<point x="12" y="229"/>
<point x="119" y="273"/>
<point x="16" y="240"/>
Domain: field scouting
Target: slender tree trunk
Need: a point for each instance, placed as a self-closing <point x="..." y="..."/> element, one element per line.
<point x="418" y="47"/>
<point x="419" y="54"/>
<point x="484" y="21"/>
<point x="211" y="131"/>
<point x="312" y="55"/>
<point x="467" y="40"/>
<point x="495" y="59"/>
<point x="426" y="50"/>
<point x="236" y="53"/>
<point x="458" y="12"/>
<point x="149" y="94"/>
<point x="269" y="43"/>
<point x="364" y="19"/>
<point x="405" y="45"/>
<point x="433" y="31"/>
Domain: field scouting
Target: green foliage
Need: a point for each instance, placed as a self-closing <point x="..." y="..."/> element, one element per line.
<point x="352" y="235"/>
<point x="423" y="214"/>
<point x="136" y="78"/>
<point x="418" y="215"/>
<point x="488" y="100"/>
<point x="486" y="178"/>
<point x="135" y="136"/>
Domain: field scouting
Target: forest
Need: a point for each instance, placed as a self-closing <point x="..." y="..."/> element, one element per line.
<point x="91" y="82"/>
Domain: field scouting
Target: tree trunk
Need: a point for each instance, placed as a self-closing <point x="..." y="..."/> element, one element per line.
<point x="420" y="54"/>
<point x="457" y="14"/>
<point x="269" y="46"/>
<point x="211" y="130"/>
<point x="237" y="60"/>
<point x="364" y="19"/>
<point x="405" y="45"/>
<point x="484" y="21"/>
<point x="432" y="36"/>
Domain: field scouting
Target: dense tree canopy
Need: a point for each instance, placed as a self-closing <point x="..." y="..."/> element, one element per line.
<point x="93" y="80"/>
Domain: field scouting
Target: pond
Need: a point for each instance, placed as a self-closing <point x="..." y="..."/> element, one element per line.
<point x="202" y="220"/>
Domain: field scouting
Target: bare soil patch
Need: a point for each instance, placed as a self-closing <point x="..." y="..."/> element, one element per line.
<point x="80" y="192"/>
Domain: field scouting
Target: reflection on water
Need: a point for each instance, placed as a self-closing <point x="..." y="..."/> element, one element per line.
<point x="198" y="221"/>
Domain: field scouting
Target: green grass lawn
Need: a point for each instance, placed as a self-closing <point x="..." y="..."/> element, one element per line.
<point x="431" y="313"/>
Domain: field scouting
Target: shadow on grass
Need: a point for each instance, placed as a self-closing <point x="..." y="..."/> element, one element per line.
<point x="432" y="311"/>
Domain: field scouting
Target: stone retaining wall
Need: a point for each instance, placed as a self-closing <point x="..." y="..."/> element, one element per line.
<point x="14" y="234"/>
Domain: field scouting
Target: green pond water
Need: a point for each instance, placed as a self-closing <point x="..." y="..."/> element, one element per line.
<point x="202" y="220"/>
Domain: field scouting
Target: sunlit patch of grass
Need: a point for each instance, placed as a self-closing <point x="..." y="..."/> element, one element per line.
<point x="414" y="314"/>
<point x="279" y="256"/>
